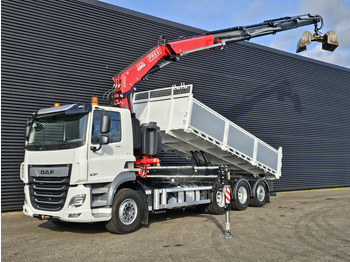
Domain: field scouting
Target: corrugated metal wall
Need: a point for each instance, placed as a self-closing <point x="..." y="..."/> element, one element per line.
<point x="68" y="51"/>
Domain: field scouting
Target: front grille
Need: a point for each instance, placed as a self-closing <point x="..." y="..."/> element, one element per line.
<point x="47" y="191"/>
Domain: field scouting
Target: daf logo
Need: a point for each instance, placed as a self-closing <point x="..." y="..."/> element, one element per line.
<point x="47" y="172"/>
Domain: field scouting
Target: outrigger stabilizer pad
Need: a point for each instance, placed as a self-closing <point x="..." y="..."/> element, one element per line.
<point x="228" y="235"/>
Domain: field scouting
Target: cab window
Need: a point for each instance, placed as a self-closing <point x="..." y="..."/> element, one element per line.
<point x="114" y="133"/>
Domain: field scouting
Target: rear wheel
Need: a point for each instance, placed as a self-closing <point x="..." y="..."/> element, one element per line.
<point x="127" y="212"/>
<point x="217" y="207"/>
<point x="260" y="195"/>
<point x="242" y="196"/>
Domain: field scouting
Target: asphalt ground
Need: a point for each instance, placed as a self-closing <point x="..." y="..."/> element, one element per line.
<point x="295" y="226"/>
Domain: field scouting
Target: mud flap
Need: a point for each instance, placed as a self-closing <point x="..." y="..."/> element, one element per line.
<point x="268" y="198"/>
<point x="144" y="220"/>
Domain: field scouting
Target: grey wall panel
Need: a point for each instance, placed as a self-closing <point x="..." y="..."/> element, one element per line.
<point x="67" y="51"/>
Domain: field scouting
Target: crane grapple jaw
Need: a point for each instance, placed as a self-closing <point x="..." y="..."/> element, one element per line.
<point x="329" y="40"/>
<point x="304" y="40"/>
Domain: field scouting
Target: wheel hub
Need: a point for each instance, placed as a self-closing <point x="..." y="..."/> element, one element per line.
<point x="128" y="211"/>
<point x="220" y="198"/>
<point x="242" y="195"/>
<point x="260" y="192"/>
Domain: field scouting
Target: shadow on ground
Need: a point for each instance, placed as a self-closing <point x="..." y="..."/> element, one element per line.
<point x="98" y="228"/>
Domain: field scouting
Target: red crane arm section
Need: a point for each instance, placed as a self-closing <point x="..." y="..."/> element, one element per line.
<point x="125" y="81"/>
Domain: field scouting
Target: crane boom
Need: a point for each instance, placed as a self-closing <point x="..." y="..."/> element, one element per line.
<point x="170" y="51"/>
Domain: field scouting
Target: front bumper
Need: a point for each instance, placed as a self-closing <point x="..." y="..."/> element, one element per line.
<point x="83" y="214"/>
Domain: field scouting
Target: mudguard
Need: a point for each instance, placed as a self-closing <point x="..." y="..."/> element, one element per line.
<point x="120" y="179"/>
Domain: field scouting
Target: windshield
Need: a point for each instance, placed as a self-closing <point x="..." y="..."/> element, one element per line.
<point x="58" y="131"/>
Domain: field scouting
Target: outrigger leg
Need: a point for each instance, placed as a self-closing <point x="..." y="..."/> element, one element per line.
<point x="227" y="189"/>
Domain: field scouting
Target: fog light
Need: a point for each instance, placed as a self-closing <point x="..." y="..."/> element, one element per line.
<point x="74" y="215"/>
<point x="77" y="201"/>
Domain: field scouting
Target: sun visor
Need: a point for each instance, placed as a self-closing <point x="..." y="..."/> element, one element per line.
<point x="68" y="109"/>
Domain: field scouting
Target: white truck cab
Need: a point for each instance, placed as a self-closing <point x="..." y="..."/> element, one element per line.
<point x="63" y="159"/>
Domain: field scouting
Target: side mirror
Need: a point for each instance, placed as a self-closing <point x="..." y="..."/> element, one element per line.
<point x="28" y="129"/>
<point x="105" y="128"/>
<point x="105" y="124"/>
<point x="27" y="134"/>
<point x="104" y="140"/>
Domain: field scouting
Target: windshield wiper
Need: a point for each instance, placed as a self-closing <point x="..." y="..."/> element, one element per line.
<point x="38" y="146"/>
<point x="65" y="144"/>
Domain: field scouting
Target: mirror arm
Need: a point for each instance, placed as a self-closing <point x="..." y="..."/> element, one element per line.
<point x="94" y="149"/>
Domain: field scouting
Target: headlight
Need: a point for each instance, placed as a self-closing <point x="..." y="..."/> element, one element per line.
<point x="77" y="201"/>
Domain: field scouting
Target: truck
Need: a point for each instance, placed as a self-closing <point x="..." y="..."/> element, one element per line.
<point x="88" y="163"/>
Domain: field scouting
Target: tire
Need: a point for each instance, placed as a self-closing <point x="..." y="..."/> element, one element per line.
<point x="260" y="194"/>
<point x="217" y="207"/>
<point x="242" y="197"/>
<point x="127" y="212"/>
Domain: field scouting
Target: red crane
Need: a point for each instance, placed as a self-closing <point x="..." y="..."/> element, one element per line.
<point x="170" y="51"/>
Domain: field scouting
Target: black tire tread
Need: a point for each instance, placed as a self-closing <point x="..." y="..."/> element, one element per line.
<point x="254" y="202"/>
<point x="235" y="205"/>
<point x="114" y="225"/>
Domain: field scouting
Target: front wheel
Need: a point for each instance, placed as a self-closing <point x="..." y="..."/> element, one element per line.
<point x="260" y="195"/>
<point x="127" y="212"/>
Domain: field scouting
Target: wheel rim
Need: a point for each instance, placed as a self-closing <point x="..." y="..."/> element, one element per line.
<point x="260" y="192"/>
<point x="220" y="198"/>
<point x="242" y="195"/>
<point x="128" y="211"/>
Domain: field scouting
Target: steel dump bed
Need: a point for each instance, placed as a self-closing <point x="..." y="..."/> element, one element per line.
<point x="188" y="127"/>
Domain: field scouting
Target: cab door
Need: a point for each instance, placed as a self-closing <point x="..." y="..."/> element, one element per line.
<point x="110" y="160"/>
